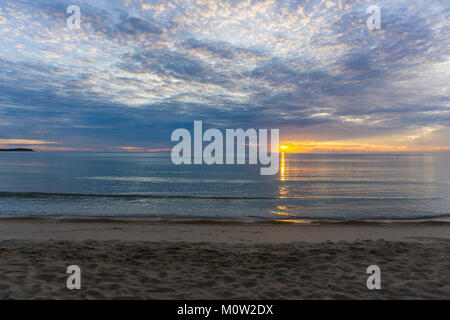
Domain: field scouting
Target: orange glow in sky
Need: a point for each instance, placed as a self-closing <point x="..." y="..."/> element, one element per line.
<point x="354" y="146"/>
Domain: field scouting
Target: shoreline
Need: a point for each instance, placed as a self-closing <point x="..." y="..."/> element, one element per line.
<point x="443" y="219"/>
<point x="229" y="231"/>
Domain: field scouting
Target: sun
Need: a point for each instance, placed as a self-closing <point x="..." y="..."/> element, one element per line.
<point x="283" y="147"/>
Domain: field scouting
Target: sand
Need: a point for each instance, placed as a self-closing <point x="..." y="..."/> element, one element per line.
<point x="167" y="260"/>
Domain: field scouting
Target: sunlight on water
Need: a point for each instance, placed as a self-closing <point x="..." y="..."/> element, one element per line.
<point x="282" y="167"/>
<point x="308" y="186"/>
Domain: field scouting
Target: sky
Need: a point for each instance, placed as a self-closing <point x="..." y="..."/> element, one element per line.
<point x="136" y="70"/>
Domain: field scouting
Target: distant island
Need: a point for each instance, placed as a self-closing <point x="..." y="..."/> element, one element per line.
<point x="17" y="149"/>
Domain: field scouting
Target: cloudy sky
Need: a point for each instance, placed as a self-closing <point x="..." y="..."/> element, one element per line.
<point x="136" y="70"/>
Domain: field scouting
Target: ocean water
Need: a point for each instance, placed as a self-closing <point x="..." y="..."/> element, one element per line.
<point x="148" y="185"/>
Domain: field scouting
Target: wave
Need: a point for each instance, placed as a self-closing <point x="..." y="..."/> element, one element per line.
<point x="437" y="219"/>
<point x="293" y="179"/>
<point x="32" y="195"/>
<point x="170" y="180"/>
<point x="35" y="195"/>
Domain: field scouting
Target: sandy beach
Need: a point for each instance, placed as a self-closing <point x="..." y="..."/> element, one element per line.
<point x="210" y="260"/>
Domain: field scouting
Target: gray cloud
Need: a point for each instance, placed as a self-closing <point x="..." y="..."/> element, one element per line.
<point x="135" y="71"/>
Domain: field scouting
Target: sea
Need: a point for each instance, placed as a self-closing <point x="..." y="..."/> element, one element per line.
<point x="308" y="187"/>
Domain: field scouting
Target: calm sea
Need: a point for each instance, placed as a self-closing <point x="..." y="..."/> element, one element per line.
<point x="148" y="185"/>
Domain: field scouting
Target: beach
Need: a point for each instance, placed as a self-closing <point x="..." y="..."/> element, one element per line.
<point x="206" y="259"/>
<point x="224" y="150"/>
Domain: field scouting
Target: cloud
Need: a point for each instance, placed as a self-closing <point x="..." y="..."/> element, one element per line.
<point x="138" y="26"/>
<point x="23" y="142"/>
<point x="137" y="70"/>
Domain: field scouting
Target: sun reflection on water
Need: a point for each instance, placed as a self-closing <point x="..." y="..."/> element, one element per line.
<point x="282" y="168"/>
